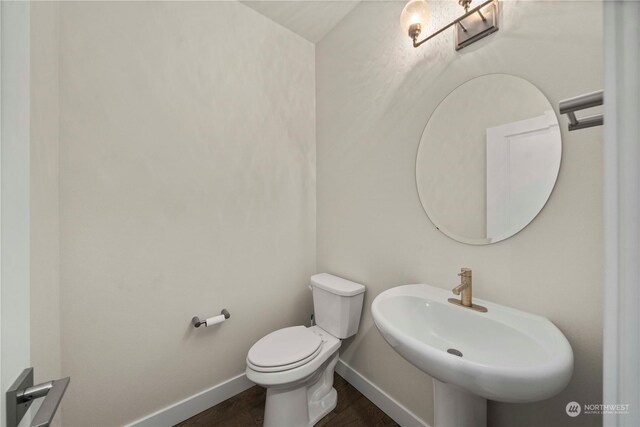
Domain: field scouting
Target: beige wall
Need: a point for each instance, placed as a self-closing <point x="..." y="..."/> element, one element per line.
<point x="374" y="96"/>
<point x="187" y="184"/>
<point x="44" y="233"/>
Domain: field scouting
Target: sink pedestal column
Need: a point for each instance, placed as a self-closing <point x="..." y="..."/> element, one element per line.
<point x="455" y="407"/>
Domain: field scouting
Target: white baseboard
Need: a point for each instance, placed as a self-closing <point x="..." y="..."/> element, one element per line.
<point x="193" y="405"/>
<point x="382" y="400"/>
<point x="187" y="408"/>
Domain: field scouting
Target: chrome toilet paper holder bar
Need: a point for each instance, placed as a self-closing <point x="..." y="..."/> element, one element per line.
<point x="197" y="322"/>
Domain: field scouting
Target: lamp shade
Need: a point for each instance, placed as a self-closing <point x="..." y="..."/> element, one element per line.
<point x="415" y="12"/>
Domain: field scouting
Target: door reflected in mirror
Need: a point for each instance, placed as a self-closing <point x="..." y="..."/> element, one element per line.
<point x="488" y="159"/>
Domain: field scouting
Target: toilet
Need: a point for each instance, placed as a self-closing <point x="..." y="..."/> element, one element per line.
<point x="296" y="364"/>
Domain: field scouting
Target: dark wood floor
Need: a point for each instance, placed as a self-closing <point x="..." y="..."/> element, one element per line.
<point x="247" y="408"/>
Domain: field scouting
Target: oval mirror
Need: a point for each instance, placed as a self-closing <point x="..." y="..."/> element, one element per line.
<point x="488" y="159"/>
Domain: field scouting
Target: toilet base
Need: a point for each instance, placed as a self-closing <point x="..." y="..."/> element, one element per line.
<point x="304" y="405"/>
<point x="319" y="409"/>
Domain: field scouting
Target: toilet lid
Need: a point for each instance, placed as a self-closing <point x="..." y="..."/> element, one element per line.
<point x="284" y="347"/>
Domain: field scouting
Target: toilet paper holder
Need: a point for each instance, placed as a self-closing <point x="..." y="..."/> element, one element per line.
<point x="224" y="315"/>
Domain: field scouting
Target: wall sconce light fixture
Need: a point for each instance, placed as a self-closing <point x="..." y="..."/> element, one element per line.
<point x="475" y="24"/>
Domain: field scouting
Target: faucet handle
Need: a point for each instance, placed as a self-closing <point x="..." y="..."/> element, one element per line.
<point x="465" y="272"/>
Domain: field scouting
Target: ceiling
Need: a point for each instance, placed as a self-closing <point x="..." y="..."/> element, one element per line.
<point x="311" y="19"/>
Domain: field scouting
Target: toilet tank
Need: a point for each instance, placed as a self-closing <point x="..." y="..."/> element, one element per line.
<point x="337" y="304"/>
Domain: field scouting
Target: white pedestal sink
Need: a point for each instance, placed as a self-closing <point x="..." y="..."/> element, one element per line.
<point x="504" y="354"/>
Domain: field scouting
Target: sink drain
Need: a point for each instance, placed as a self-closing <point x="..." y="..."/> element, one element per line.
<point x="455" y="352"/>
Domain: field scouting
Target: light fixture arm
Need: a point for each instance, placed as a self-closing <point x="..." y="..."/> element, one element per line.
<point x="465" y="4"/>
<point x="476" y="9"/>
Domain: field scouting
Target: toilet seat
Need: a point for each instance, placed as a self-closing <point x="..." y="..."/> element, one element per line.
<point x="284" y="349"/>
<point x="291" y="374"/>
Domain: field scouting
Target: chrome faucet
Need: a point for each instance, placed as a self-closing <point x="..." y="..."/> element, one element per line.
<point x="464" y="289"/>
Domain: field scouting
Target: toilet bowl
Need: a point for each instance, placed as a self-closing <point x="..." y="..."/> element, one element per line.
<point x="296" y="364"/>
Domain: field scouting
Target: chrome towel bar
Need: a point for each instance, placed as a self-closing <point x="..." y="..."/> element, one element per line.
<point x="23" y="393"/>
<point x="588" y="100"/>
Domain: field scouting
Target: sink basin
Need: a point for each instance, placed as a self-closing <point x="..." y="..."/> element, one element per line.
<point x="504" y="354"/>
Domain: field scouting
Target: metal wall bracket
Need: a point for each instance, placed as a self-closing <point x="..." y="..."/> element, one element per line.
<point x="22" y="393"/>
<point x="15" y="410"/>
<point x="477" y="25"/>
